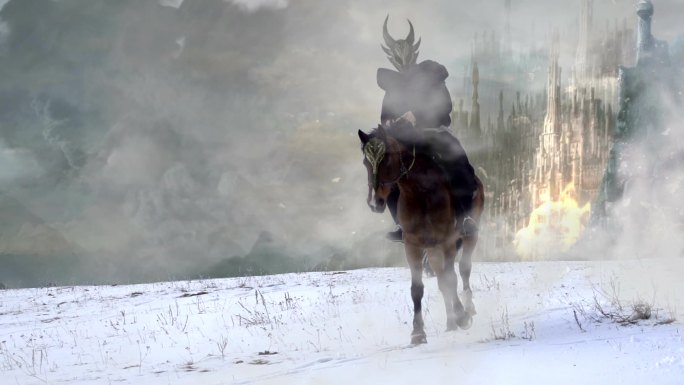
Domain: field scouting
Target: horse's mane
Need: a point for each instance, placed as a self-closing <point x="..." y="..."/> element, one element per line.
<point x="439" y="145"/>
<point x="407" y="135"/>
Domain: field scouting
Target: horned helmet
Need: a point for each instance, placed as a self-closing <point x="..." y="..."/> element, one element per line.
<point x="401" y="53"/>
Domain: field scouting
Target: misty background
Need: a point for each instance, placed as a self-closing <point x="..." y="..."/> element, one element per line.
<point x="157" y="139"/>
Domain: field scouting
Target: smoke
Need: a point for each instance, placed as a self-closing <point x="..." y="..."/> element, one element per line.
<point x="4" y="29"/>
<point x="648" y="220"/>
<point x="160" y="138"/>
<point x="171" y="3"/>
<point x="4" y="32"/>
<point x="18" y="165"/>
<point x="254" y="5"/>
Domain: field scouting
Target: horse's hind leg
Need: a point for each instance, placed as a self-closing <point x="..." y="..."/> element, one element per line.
<point x="469" y="242"/>
<point x="464" y="268"/>
<point x="414" y="256"/>
<point x="442" y="263"/>
<point x="462" y="317"/>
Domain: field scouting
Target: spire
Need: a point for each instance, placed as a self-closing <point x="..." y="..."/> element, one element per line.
<point x="552" y="122"/>
<point x="507" y="39"/>
<point x="585" y="27"/>
<point x="465" y="79"/>
<point x="475" y="114"/>
<point x="500" y="118"/>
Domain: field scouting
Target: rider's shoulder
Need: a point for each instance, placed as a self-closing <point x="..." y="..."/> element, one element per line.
<point x="388" y="78"/>
<point x="438" y="71"/>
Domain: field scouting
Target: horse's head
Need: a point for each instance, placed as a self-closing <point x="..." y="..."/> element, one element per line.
<point x="384" y="164"/>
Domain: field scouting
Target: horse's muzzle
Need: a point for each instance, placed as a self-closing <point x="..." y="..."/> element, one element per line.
<point x="377" y="205"/>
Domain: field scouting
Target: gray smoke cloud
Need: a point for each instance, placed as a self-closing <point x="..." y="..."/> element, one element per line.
<point x="253" y="5"/>
<point x="163" y="137"/>
<point x="648" y="220"/>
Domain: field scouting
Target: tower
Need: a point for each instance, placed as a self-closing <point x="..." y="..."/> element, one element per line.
<point x="500" y="125"/>
<point x="586" y="18"/>
<point x="553" y="108"/>
<point x="548" y="169"/>
<point x="475" y="114"/>
<point x="507" y="50"/>
<point x="645" y="43"/>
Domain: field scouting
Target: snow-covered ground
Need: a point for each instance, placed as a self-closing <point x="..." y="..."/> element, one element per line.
<point x="537" y="323"/>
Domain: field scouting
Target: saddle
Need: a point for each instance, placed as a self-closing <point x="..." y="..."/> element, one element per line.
<point x="448" y="154"/>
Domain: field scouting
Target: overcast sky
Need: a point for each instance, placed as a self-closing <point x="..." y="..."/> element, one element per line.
<point x="157" y="129"/>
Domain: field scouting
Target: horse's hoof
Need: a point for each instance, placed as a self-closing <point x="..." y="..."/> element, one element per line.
<point x="470" y="309"/>
<point x="468" y="302"/>
<point x="418" y="339"/>
<point x="465" y="322"/>
<point x="469" y="226"/>
<point x="451" y="325"/>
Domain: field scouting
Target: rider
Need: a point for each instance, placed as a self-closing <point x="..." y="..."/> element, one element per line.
<point x="421" y="89"/>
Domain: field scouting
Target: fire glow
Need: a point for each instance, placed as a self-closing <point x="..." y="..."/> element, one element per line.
<point x="553" y="227"/>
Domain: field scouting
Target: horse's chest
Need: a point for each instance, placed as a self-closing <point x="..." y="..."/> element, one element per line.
<point x="425" y="209"/>
<point x="428" y="226"/>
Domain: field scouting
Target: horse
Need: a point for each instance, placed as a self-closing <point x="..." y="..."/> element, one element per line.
<point x="428" y="214"/>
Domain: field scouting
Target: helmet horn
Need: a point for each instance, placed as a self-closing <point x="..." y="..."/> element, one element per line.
<point x="410" y="37"/>
<point x="388" y="39"/>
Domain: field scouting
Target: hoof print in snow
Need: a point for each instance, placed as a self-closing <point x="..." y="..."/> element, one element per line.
<point x="260" y="361"/>
<point x="186" y="295"/>
<point x="188" y="367"/>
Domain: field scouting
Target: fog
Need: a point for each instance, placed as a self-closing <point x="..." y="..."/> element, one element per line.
<point x="157" y="139"/>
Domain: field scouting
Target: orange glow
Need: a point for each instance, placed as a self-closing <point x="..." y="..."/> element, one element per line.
<point x="553" y="227"/>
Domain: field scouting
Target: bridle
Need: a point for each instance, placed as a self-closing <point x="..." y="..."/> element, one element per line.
<point x="375" y="158"/>
<point x="403" y="170"/>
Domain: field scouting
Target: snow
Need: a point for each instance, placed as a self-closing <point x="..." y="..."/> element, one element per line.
<point x="349" y="327"/>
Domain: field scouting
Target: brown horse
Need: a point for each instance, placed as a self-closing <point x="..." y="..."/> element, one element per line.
<point x="428" y="214"/>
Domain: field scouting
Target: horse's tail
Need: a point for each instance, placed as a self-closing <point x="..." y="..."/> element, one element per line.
<point x="478" y="201"/>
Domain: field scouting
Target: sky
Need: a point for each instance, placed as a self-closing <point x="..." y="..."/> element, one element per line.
<point x="160" y="137"/>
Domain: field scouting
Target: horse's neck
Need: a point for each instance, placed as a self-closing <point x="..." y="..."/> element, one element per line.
<point x="424" y="179"/>
<point x="426" y="206"/>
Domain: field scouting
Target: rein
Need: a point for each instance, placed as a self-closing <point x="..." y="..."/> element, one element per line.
<point x="403" y="170"/>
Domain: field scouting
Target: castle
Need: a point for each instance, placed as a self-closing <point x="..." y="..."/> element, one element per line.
<point x="550" y="139"/>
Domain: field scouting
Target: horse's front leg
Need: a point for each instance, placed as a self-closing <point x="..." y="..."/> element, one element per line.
<point x="414" y="256"/>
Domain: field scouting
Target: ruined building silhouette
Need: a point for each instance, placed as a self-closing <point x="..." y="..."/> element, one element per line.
<point x="645" y="93"/>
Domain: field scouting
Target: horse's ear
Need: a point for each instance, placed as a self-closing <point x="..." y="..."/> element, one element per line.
<point x="364" y="137"/>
